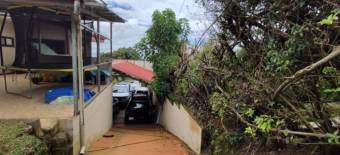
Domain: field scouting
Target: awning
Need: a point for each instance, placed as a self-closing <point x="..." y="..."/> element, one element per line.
<point x="133" y="71"/>
<point x="92" y="8"/>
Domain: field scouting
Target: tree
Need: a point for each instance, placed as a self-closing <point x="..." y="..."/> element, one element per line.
<point x="162" y="46"/>
<point x="274" y="67"/>
<point x="124" y="53"/>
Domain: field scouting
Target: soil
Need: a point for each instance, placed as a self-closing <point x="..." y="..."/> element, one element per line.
<point x="141" y="139"/>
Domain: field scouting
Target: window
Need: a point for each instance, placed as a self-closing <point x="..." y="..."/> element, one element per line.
<point x="7" y="42"/>
<point x="3" y="41"/>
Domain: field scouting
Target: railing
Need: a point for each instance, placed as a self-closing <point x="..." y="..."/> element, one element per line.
<point x="108" y="79"/>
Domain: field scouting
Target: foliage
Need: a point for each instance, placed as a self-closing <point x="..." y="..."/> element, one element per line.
<point x="251" y="131"/>
<point x="334" y="137"/>
<point x="231" y="81"/>
<point x="124" y="53"/>
<point x="162" y="46"/>
<point x="250" y="112"/>
<point x="264" y="123"/>
<point x="226" y="143"/>
<point x="331" y="18"/>
<point x="330" y="83"/>
<point x="15" y="141"/>
<point x="218" y="104"/>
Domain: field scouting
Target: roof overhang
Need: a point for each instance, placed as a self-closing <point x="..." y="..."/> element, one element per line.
<point x="91" y="8"/>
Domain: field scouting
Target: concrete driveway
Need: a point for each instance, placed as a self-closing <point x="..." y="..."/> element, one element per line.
<point x="138" y="140"/>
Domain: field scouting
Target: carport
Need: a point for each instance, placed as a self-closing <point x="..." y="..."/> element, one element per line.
<point x="141" y="139"/>
<point x="176" y="132"/>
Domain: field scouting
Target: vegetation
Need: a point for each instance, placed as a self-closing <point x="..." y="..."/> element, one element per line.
<point x="15" y="140"/>
<point x="267" y="78"/>
<point x="162" y="46"/>
<point x="124" y="53"/>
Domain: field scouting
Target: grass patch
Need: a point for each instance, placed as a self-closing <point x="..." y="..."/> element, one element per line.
<point x="15" y="140"/>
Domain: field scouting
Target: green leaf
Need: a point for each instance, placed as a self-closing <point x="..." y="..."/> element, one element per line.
<point x="329" y="20"/>
<point x="264" y="122"/>
<point x="337" y="90"/>
<point x="285" y="132"/>
<point x="251" y="131"/>
<point x="250" y="112"/>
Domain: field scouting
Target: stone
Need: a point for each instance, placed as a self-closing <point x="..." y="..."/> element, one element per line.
<point x="67" y="126"/>
<point x="49" y="126"/>
<point x="36" y="128"/>
<point x="109" y="134"/>
<point x="59" y="139"/>
<point x="62" y="150"/>
<point x="28" y="129"/>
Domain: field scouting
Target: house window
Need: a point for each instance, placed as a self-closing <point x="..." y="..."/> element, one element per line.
<point x="3" y="41"/>
<point x="7" y="42"/>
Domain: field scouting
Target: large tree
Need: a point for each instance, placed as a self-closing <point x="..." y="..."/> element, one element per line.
<point x="162" y="46"/>
<point x="271" y="75"/>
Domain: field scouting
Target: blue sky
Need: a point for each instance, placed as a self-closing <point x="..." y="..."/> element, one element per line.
<point x="137" y="14"/>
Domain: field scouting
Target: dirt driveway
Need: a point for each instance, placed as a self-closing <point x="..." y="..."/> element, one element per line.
<point x="138" y="140"/>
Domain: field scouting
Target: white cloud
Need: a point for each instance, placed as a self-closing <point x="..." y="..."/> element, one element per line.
<point x="138" y="15"/>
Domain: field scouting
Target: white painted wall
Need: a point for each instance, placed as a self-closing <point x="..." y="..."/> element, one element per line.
<point x="180" y="123"/>
<point x="98" y="120"/>
<point x="9" y="52"/>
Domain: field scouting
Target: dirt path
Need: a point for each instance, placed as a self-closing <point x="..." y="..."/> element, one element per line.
<point x="138" y="140"/>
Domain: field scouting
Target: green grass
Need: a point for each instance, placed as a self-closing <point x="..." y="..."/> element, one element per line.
<point x="15" y="141"/>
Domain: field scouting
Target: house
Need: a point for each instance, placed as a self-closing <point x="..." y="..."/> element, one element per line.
<point x="42" y="42"/>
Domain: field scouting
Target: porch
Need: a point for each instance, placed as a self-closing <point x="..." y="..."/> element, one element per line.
<point x="19" y="107"/>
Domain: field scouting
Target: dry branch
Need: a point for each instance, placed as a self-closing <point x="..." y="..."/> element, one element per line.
<point x="239" y="116"/>
<point x="301" y="72"/>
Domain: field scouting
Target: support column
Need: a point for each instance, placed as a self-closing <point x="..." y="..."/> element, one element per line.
<point x="111" y="40"/>
<point x="110" y="66"/>
<point x="74" y="65"/>
<point x="78" y="70"/>
<point x="98" y="55"/>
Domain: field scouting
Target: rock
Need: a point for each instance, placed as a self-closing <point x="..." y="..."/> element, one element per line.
<point x="35" y="124"/>
<point x="59" y="139"/>
<point x="67" y="126"/>
<point x="108" y="135"/>
<point x="49" y="126"/>
<point x="62" y="150"/>
<point x="28" y="129"/>
<point x="60" y="144"/>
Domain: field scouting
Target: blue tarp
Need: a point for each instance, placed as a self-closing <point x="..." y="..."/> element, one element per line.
<point x="53" y="94"/>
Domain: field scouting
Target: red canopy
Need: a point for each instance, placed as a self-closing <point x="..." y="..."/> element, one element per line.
<point x="133" y="71"/>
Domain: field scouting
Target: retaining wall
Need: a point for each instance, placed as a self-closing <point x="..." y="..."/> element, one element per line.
<point x="180" y="123"/>
<point x="98" y="120"/>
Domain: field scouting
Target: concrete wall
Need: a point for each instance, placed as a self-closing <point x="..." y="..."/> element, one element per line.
<point x="180" y="123"/>
<point x="98" y="120"/>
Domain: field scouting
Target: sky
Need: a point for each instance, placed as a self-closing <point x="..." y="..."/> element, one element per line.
<point x="137" y="14"/>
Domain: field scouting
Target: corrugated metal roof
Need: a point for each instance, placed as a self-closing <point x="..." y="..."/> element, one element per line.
<point x="133" y="71"/>
<point x="92" y="8"/>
